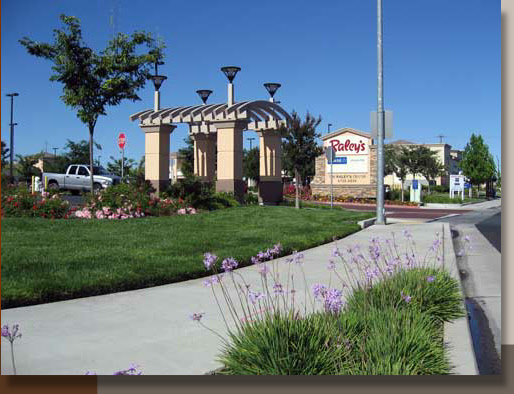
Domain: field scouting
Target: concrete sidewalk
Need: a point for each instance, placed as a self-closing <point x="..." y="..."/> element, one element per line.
<point x="151" y="327"/>
<point x="466" y="207"/>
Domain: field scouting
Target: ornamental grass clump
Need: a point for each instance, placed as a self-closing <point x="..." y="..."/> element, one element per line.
<point x="381" y="312"/>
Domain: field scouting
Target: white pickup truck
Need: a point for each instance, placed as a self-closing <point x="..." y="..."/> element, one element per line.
<point x="77" y="178"/>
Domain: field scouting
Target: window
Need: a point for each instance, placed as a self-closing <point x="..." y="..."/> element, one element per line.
<point x="72" y="170"/>
<point x="83" y="171"/>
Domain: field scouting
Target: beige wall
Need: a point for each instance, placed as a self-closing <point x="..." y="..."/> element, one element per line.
<point x="230" y="153"/>
<point x="205" y="160"/>
<point x="270" y="156"/>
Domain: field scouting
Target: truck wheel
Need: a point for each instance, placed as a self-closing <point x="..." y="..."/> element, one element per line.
<point x="97" y="187"/>
<point x="53" y="186"/>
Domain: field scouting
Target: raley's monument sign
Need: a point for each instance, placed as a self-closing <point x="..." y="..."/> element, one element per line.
<point x="354" y="165"/>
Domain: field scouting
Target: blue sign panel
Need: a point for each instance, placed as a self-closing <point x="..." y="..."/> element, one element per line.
<point x="340" y="160"/>
<point x="467" y="185"/>
<point x="414" y="184"/>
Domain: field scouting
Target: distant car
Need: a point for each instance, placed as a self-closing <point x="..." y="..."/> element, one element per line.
<point x="77" y="178"/>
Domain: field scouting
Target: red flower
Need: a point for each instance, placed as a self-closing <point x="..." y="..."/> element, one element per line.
<point x="16" y="204"/>
<point x="34" y="207"/>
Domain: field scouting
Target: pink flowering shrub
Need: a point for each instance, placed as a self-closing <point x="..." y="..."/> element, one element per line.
<point x="20" y="202"/>
<point x="127" y="202"/>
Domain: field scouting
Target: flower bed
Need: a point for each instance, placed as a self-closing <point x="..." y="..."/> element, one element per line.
<point x="19" y="202"/>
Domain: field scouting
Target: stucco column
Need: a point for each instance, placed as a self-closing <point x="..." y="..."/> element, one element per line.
<point x="157" y="155"/>
<point x="205" y="156"/>
<point x="270" y="174"/>
<point x="230" y="157"/>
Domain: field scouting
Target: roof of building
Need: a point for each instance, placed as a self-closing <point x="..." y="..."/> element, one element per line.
<point x="346" y="130"/>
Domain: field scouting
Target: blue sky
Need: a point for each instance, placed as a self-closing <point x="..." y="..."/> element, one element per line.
<point x="442" y="64"/>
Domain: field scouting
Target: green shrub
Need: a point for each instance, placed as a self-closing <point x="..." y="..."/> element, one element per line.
<point x="287" y="345"/>
<point x="440" y="189"/>
<point x="439" y="199"/>
<point x="396" y="341"/>
<point x="223" y="200"/>
<point x="193" y="191"/>
<point x="250" y="199"/>
<point x="432" y="291"/>
<point x="394" y="195"/>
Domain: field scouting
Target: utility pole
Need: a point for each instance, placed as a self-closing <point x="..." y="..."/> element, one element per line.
<point x="11" y="149"/>
<point x="380" y="120"/>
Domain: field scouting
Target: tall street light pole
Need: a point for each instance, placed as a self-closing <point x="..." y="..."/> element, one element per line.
<point x="380" y="120"/>
<point x="11" y="148"/>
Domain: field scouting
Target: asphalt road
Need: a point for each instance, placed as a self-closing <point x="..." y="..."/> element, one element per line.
<point x="481" y="278"/>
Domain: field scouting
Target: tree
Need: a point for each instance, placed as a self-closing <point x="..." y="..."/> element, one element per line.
<point x="396" y="161"/>
<point x="114" y="166"/>
<point x="431" y="167"/>
<point x="187" y="155"/>
<point x="78" y="152"/>
<point x="251" y="164"/>
<point x="92" y="81"/>
<point x="300" y="149"/>
<point x="477" y="162"/>
<point x="5" y="154"/>
<point x="25" y="166"/>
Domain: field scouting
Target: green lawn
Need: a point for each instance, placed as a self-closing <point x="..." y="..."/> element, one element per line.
<point x="444" y="198"/>
<point x="45" y="260"/>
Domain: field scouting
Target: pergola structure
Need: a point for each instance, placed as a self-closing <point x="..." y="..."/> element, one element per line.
<point x="218" y="126"/>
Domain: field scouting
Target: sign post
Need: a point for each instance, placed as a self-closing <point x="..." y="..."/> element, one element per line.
<point x="121" y="143"/>
<point x="330" y="153"/>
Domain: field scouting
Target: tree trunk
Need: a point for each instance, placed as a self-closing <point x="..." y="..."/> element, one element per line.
<point x="297" y="189"/>
<point x="91" y="131"/>
<point x="402" y="188"/>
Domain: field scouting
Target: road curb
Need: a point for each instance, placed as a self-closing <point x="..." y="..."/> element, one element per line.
<point x="367" y="222"/>
<point x="457" y="334"/>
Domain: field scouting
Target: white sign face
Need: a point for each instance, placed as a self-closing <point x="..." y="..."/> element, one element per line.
<point x="350" y="164"/>
<point x="457" y="182"/>
<point x="351" y="154"/>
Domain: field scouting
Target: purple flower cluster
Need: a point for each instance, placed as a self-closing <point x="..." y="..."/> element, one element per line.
<point x="278" y="289"/>
<point x="209" y="260"/>
<point x="331" y="265"/>
<point x="371" y="273"/>
<point x="229" y="264"/>
<point x="263" y="269"/>
<point x="406" y="298"/>
<point x="11" y="336"/>
<point x="430" y="279"/>
<point x="332" y="298"/>
<point x="255" y="296"/>
<point x="197" y="316"/>
<point x="212" y="280"/>
<point x="268" y="254"/>
<point x="132" y="370"/>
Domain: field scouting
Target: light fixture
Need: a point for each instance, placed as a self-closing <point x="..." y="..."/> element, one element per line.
<point x="158" y="79"/>
<point x="272" y="88"/>
<point x="230" y="72"/>
<point x="204" y="94"/>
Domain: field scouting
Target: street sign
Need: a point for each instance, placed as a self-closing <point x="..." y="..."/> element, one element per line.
<point x="330" y="153"/>
<point x="388" y="124"/>
<point x="121" y="140"/>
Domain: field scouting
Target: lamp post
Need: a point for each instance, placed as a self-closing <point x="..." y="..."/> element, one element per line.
<point x="328" y="131"/>
<point x="230" y="72"/>
<point x="55" y="151"/>
<point x="380" y="120"/>
<point x="250" y="139"/>
<point x="204" y="95"/>
<point x="272" y="88"/>
<point x="11" y="148"/>
<point x="157" y="82"/>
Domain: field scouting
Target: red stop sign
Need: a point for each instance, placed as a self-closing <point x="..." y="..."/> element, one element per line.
<point x="121" y="140"/>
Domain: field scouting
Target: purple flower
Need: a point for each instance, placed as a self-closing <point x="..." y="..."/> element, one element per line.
<point x="277" y="288"/>
<point x="333" y="301"/>
<point x="229" y="264"/>
<point x="467" y="239"/>
<point x="298" y="257"/>
<point x="263" y="269"/>
<point x="211" y="281"/>
<point x="209" y="260"/>
<point x="430" y="278"/>
<point x="11" y="336"/>
<point x="405" y="297"/>
<point x="255" y="260"/>
<point x="277" y="249"/>
<point x="255" y="296"/>
<point x="319" y="290"/>
<point x="132" y="370"/>
<point x="331" y="265"/>
<point x="336" y="252"/>
<point x="197" y="316"/>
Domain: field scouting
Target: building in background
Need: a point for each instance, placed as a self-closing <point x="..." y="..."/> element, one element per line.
<point x="175" y="167"/>
<point x="448" y="157"/>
